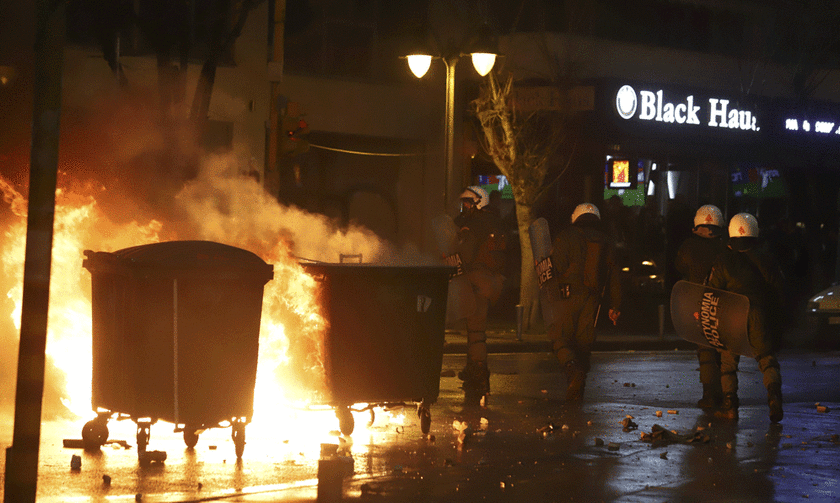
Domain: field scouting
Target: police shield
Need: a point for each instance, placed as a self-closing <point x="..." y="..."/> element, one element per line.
<point x="546" y="274"/>
<point x="711" y="317"/>
<point x="460" y="302"/>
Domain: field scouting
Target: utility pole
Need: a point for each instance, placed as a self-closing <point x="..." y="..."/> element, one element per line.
<point x="22" y="457"/>
<point x="271" y="176"/>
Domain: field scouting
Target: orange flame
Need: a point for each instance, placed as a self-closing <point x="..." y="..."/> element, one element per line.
<point x="289" y="304"/>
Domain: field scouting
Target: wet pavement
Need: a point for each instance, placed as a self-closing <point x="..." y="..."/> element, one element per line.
<point x="638" y="437"/>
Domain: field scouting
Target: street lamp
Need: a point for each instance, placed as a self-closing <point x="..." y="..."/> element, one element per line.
<point x="483" y="53"/>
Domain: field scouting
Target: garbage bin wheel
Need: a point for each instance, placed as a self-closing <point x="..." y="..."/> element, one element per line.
<point x="94" y="434"/>
<point x="237" y="434"/>
<point x="425" y="416"/>
<point x="346" y="423"/>
<point x="190" y="437"/>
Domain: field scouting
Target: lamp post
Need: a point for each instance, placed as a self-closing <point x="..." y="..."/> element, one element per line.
<point x="483" y="58"/>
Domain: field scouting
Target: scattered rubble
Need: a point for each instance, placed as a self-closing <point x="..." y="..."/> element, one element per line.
<point x="628" y="424"/>
<point x="546" y="430"/>
<point x="821" y="408"/>
<point x="76" y="462"/>
<point x="660" y="434"/>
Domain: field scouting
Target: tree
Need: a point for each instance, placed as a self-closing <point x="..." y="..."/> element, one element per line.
<point x="522" y="148"/>
<point x="166" y="25"/>
<point x="228" y="18"/>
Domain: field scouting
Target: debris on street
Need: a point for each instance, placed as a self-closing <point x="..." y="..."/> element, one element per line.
<point x="628" y="424"/>
<point x="660" y="434"/>
<point x="821" y="408"/>
<point x="613" y="446"/>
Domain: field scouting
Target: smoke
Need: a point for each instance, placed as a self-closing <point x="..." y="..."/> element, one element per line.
<point x="222" y="206"/>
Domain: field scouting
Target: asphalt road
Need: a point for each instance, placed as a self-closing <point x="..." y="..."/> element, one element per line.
<point x="527" y="445"/>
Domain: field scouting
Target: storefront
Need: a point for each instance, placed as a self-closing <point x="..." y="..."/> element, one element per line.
<point x="666" y="145"/>
<point x="662" y="142"/>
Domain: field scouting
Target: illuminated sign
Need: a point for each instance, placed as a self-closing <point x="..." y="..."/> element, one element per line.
<point x="815" y="128"/>
<point x="655" y="106"/>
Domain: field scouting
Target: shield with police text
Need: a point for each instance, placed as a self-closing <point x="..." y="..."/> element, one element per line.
<point x="546" y="273"/>
<point x="460" y="301"/>
<point x="711" y="317"/>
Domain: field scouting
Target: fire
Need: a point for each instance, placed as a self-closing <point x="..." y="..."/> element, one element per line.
<point x="290" y="387"/>
<point x="69" y="325"/>
<point x="80" y="225"/>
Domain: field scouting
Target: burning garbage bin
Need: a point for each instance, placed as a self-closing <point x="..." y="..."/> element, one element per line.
<point x="175" y="337"/>
<point x="385" y="336"/>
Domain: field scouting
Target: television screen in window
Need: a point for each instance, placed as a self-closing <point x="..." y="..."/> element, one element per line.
<point x="496" y="182"/>
<point x="619" y="175"/>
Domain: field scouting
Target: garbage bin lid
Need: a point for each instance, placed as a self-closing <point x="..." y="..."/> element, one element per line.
<point x="175" y="256"/>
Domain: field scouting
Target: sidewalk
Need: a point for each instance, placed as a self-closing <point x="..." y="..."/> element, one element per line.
<point x="502" y="338"/>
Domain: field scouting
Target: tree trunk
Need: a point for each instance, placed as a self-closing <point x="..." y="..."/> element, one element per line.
<point x="203" y="92"/>
<point x="528" y="288"/>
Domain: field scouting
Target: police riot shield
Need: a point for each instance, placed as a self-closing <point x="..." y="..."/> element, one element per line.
<point x="460" y="302"/>
<point x="546" y="274"/>
<point x="711" y="317"/>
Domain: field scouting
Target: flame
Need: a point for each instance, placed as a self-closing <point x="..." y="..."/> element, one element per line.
<point x="291" y="384"/>
<point x="69" y="322"/>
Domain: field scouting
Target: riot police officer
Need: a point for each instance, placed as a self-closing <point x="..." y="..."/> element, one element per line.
<point x="481" y="246"/>
<point x="584" y="257"/>
<point x="693" y="262"/>
<point x="743" y="268"/>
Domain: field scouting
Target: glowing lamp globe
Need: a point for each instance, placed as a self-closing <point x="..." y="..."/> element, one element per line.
<point x="483" y="62"/>
<point x="419" y="64"/>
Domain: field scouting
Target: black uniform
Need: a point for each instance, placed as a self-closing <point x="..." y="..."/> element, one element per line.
<point x="482" y="250"/>
<point x="585" y="260"/>
<point x="757" y="276"/>
<point x="694" y="261"/>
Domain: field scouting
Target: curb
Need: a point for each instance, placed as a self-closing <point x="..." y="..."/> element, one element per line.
<point x="456" y="344"/>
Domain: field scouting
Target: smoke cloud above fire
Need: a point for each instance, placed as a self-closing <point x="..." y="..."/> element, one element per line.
<point x="127" y="177"/>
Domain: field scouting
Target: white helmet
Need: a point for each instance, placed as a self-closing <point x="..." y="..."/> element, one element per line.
<point x="477" y="195"/>
<point x="743" y="225"/>
<point x="708" y="215"/>
<point x="585" y="208"/>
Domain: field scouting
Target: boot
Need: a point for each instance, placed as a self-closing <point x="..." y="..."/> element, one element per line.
<point x="476" y="385"/>
<point x="576" y="379"/>
<point x="774" y="401"/>
<point x="728" y="407"/>
<point x="712" y="396"/>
